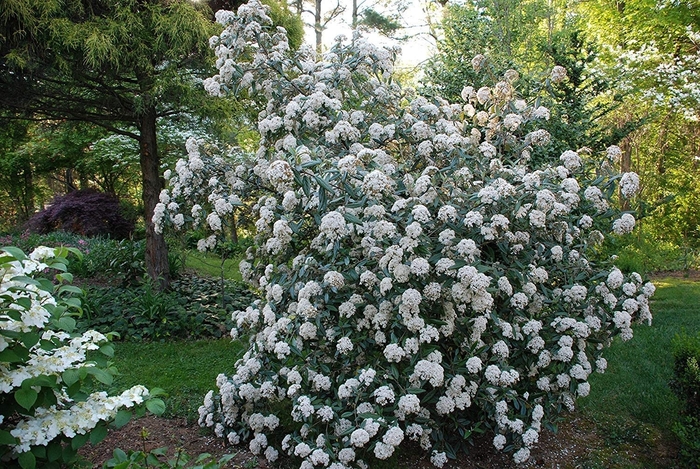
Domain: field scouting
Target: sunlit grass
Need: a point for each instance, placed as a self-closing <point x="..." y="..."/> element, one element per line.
<point x="209" y="264"/>
<point x="632" y="403"/>
<point x="185" y="370"/>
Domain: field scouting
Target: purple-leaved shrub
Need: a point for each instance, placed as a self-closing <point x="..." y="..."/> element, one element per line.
<point x="85" y="212"/>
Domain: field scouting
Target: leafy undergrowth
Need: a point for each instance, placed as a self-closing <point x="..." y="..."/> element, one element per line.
<point x="195" y="308"/>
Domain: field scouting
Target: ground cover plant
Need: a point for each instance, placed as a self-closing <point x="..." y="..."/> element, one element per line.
<point x="196" y="307"/>
<point x="423" y="279"/>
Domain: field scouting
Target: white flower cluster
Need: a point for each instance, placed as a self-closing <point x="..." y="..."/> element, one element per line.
<point x="31" y="310"/>
<point x="413" y="264"/>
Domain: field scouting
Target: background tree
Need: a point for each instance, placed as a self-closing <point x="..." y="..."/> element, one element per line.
<point x="652" y="51"/>
<point x="121" y="65"/>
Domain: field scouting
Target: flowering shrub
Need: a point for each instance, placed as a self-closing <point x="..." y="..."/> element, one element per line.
<point x="421" y="281"/>
<point x="47" y="413"/>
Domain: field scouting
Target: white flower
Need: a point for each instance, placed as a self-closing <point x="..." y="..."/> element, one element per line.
<point x="629" y="184"/>
<point x="438" y="458"/>
<point x="558" y="75"/>
<point x="344" y="345"/>
<point x="359" y="437"/>
<point x="522" y="455"/>
<point x="376" y="183"/>
<point x="384" y="395"/>
<point x="499" y="441"/>
<point x="394" y="353"/>
<point x="333" y="226"/>
<point x="409" y="404"/>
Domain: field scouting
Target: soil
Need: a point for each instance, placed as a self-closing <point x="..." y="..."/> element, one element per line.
<point x="575" y="445"/>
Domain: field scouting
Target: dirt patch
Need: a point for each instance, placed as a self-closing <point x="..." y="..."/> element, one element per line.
<point x="685" y="274"/>
<point x="576" y="445"/>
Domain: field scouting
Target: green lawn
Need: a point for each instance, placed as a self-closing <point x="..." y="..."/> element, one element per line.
<point x="631" y="404"/>
<point x="209" y="265"/>
<point x="185" y="370"/>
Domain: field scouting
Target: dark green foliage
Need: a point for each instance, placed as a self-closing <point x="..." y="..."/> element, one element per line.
<point x="191" y="310"/>
<point x="157" y="459"/>
<point x="686" y="385"/>
<point x="85" y="212"/>
<point x="104" y="261"/>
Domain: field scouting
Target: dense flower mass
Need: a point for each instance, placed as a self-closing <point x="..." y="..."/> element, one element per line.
<point x="42" y="361"/>
<point x="418" y="274"/>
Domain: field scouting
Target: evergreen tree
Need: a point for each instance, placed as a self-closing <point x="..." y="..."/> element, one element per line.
<point x="119" y="64"/>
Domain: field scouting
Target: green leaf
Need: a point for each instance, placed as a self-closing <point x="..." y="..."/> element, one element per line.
<point x="39" y="451"/>
<point x="26" y="397"/>
<point x="352" y="218"/>
<point x="71" y="376"/>
<point x="79" y="440"/>
<point x="155" y="406"/>
<point x="30" y="339"/>
<point x="107" y="349"/>
<point x="98" y="434"/>
<point x="26" y="280"/>
<point x="70" y="452"/>
<point x="54" y="451"/>
<point x="73" y="302"/>
<point x="9" y="356"/>
<point x="119" y="455"/>
<point x="6" y="438"/>
<point x="27" y="460"/>
<point x="17" y="253"/>
<point x="42" y="381"/>
<point x="69" y="288"/>
<point x="66" y="323"/>
<point x="323" y="183"/>
<point x="122" y="418"/>
<point x="101" y="375"/>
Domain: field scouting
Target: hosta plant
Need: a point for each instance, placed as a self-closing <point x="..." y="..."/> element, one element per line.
<point x="422" y="280"/>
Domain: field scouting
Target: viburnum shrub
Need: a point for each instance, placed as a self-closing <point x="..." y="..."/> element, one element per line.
<point x="47" y="408"/>
<point x="421" y="280"/>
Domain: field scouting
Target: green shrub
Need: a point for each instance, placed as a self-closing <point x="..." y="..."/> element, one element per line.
<point x="646" y="254"/>
<point x="686" y="385"/>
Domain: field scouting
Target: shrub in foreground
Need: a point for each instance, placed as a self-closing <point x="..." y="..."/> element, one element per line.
<point x="48" y="410"/>
<point x="423" y="281"/>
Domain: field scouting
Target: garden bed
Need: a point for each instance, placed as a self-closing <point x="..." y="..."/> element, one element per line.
<point x="577" y="444"/>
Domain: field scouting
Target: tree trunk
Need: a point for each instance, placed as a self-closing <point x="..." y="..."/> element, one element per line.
<point x="27" y="203"/>
<point x="156" y="249"/>
<point x="318" y="27"/>
<point x="354" y="15"/>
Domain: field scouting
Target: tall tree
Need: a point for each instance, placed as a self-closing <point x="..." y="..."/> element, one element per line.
<point x="115" y="63"/>
<point x="320" y="16"/>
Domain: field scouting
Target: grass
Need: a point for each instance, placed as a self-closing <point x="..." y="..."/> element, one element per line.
<point x="185" y="370"/>
<point x="631" y="404"/>
<point x="209" y="264"/>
